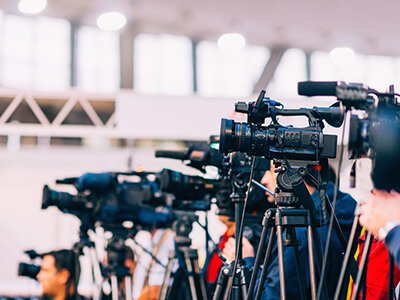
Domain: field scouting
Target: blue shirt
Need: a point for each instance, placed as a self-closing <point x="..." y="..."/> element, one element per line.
<point x="392" y="242"/>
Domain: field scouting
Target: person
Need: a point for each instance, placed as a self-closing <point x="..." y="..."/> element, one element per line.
<point x="380" y="215"/>
<point x="59" y="275"/>
<point x="213" y="265"/>
<point x="149" y="273"/>
<point x="345" y="213"/>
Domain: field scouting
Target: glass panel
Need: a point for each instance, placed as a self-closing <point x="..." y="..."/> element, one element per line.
<point x="290" y="71"/>
<point x="35" y="53"/>
<point x="163" y="64"/>
<point x="98" y="60"/>
<point x="229" y="74"/>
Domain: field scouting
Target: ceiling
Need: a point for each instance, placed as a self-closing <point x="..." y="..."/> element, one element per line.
<point x="367" y="26"/>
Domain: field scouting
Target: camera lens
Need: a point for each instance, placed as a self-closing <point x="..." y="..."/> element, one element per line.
<point x="235" y="136"/>
<point x="60" y="199"/>
<point x="28" y="270"/>
<point x="186" y="187"/>
<point x="225" y="142"/>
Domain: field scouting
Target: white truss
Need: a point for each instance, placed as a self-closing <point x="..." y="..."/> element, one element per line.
<point x="56" y="128"/>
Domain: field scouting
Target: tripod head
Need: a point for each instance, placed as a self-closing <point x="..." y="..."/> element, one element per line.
<point x="290" y="174"/>
<point x="117" y="251"/>
<point x="182" y="226"/>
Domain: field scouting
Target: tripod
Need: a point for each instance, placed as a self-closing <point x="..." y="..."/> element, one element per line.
<point x="235" y="275"/>
<point x="86" y="245"/>
<point x="288" y="216"/>
<point x="188" y="262"/>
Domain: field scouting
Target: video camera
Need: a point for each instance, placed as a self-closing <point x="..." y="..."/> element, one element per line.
<point x="275" y="140"/>
<point x="374" y="126"/>
<point x="30" y="270"/>
<point x="233" y="171"/>
<point x="109" y="199"/>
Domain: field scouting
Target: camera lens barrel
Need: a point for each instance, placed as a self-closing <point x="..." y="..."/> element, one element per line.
<point x="28" y="270"/>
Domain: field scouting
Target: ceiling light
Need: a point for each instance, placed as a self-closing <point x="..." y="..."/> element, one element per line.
<point x="32" y="6"/>
<point x="231" y="42"/>
<point x="111" y="21"/>
<point x="342" y="56"/>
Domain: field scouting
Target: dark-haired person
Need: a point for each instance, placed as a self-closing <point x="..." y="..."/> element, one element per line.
<point x="59" y="275"/>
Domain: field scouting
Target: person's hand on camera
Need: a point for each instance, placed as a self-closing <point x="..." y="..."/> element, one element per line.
<point x="379" y="208"/>
<point x="229" y="249"/>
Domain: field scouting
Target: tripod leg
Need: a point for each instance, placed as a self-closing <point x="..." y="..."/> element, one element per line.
<point x="167" y="276"/>
<point x="280" y="258"/>
<point x="300" y="273"/>
<point x="317" y="262"/>
<point x="267" y="223"/>
<point x="243" y="285"/>
<point x="391" y="277"/>
<point x="312" y="266"/>
<point x="272" y="237"/>
<point x="199" y="276"/>
<point x="351" y="246"/>
<point x="128" y="288"/>
<point x="198" y="290"/>
<point x="96" y="272"/>
<point x="114" y="287"/>
<point x="221" y="283"/>
<point x="363" y="266"/>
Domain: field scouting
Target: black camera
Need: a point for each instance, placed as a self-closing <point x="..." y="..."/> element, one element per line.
<point x="277" y="141"/>
<point x="195" y="192"/>
<point x="374" y="126"/>
<point x="189" y="192"/>
<point x="108" y="199"/>
<point x="28" y="270"/>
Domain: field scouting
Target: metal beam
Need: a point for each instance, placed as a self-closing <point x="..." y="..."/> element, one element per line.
<point x="308" y="65"/>
<point x="126" y="40"/>
<point x="269" y="69"/>
<point x="194" y="64"/>
<point x="73" y="50"/>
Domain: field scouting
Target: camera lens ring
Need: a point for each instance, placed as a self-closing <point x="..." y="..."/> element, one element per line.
<point x="225" y="144"/>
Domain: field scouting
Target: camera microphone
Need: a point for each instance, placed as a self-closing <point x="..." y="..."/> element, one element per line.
<point x="317" y="88"/>
<point x="176" y="154"/>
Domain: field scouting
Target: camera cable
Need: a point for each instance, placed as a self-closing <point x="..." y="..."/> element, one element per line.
<point x="239" y="237"/>
<point x="335" y="193"/>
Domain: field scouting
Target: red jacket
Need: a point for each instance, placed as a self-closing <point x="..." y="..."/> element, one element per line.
<point x="215" y="263"/>
<point x="377" y="270"/>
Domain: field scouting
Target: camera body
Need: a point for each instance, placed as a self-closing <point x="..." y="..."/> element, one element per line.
<point x="277" y="141"/>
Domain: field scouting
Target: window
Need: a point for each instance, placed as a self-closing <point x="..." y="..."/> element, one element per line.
<point x="291" y="70"/>
<point x="163" y="64"/>
<point x="378" y="72"/>
<point x="35" y="53"/>
<point x="229" y="74"/>
<point x="98" y="60"/>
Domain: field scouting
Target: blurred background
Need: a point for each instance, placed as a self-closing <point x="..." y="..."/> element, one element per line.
<point x="98" y="85"/>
